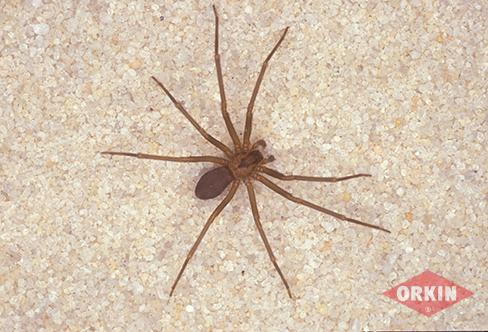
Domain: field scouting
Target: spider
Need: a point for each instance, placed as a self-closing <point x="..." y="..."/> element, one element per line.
<point x="245" y="163"/>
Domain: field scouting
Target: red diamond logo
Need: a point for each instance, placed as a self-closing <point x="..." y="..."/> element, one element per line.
<point x="428" y="293"/>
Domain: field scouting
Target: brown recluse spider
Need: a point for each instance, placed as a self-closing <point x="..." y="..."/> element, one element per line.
<point x="245" y="163"/>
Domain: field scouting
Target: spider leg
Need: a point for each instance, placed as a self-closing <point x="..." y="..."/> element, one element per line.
<point x="223" y="102"/>
<point x="209" y="222"/>
<point x="195" y="124"/>
<point x="250" y="106"/>
<point x="281" y="176"/>
<point x="192" y="159"/>
<point x="255" y="214"/>
<point x="301" y="201"/>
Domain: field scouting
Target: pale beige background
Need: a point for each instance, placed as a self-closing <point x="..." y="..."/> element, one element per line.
<point x="393" y="88"/>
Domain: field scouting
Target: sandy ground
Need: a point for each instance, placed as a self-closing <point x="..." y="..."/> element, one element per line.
<point x="396" y="89"/>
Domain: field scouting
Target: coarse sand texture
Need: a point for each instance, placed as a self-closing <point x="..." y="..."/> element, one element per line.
<point x="396" y="89"/>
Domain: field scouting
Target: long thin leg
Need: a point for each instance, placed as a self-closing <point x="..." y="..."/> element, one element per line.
<point x="223" y="102"/>
<point x="209" y="222"/>
<point x="192" y="159"/>
<point x="250" y="106"/>
<point x="255" y="214"/>
<point x="282" y="176"/>
<point x="301" y="201"/>
<point x="202" y="131"/>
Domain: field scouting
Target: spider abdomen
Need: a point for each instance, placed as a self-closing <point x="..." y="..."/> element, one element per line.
<point x="213" y="183"/>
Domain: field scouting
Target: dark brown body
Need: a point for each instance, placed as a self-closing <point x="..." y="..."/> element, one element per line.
<point x="214" y="182"/>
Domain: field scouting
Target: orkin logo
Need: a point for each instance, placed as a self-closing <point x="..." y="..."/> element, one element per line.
<point x="428" y="293"/>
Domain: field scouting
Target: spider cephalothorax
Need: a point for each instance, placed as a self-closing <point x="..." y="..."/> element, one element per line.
<point x="245" y="163"/>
